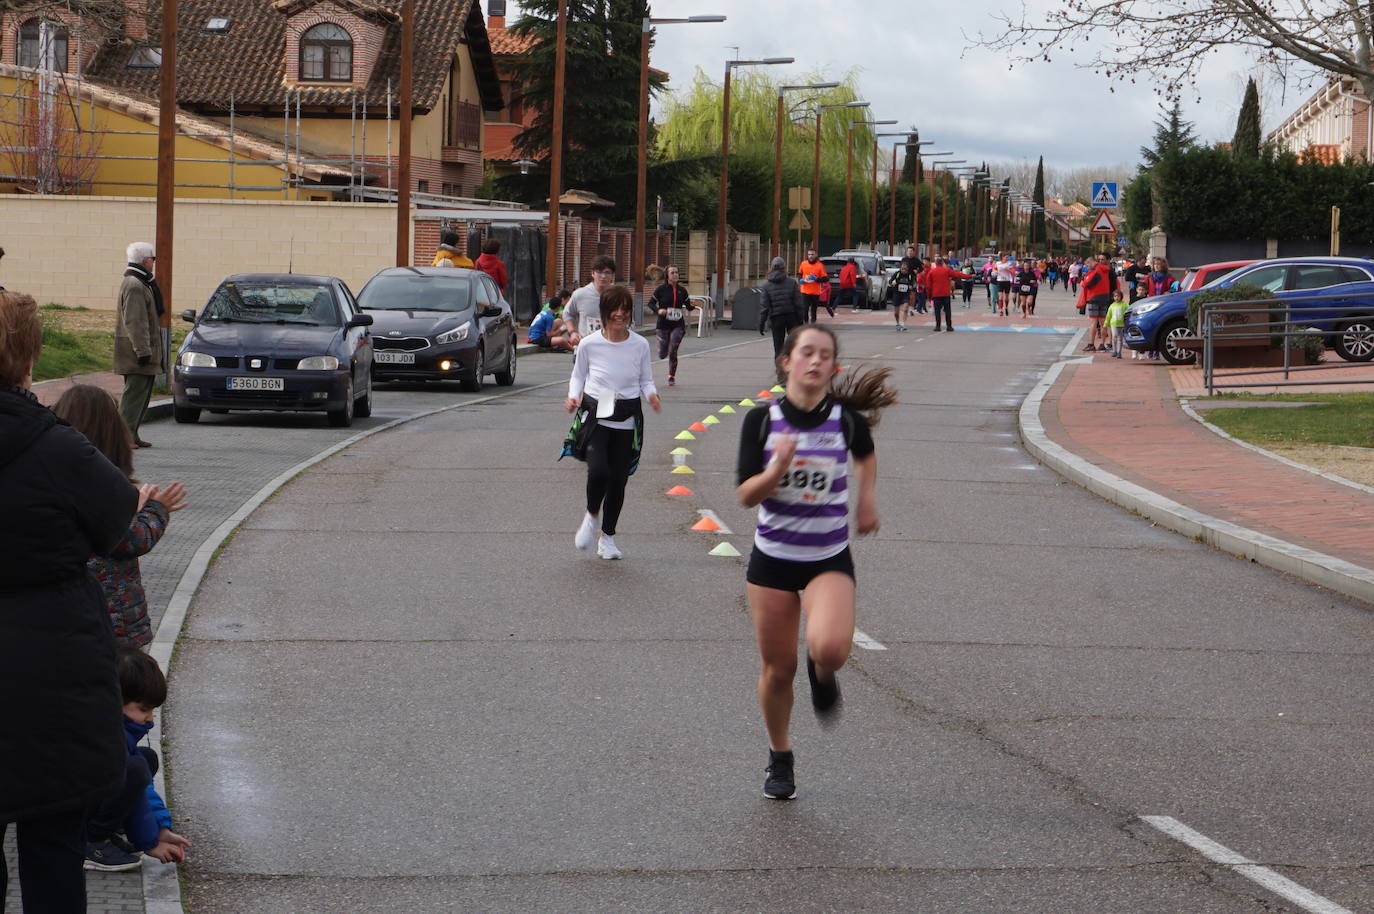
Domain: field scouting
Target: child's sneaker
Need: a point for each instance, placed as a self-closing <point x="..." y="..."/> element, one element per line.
<point x="106" y="857"/>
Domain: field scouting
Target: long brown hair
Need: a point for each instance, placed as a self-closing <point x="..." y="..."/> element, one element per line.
<point x="93" y="413"/>
<point x="862" y="391"/>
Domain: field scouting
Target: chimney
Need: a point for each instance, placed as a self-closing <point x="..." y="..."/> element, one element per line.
<point x="136" y="19"/>
<point x="496" y="14"/>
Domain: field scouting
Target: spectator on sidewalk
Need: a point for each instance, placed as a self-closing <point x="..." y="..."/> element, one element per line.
<point x="781" y="304"/>
<point x="449" y="254"/>
<point x="1116" y="323"/>
<point x="62" y="502"/>
<point x="138" y="336"/>
<point x="1098" y="287"/>
<point x="582" y="317"/>
<point x="91" y="411"/>
<point x="813" y="277"/>
<point x="488" y="262"/>
<point x="546" y="330"/>
<point x="136" y="809"/>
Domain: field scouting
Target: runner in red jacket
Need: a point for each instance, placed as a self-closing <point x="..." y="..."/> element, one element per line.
<point x="938" y="287"/>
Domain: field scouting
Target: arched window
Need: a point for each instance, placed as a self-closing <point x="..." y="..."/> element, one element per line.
<point x="327" y="54"/>
<point x="31" y="41"/>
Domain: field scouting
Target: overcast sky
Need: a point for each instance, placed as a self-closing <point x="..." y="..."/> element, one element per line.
<point x="914" y="64"/>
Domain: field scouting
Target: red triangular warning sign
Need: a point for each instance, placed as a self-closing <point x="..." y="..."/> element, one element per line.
<point x="1103" y="224"/>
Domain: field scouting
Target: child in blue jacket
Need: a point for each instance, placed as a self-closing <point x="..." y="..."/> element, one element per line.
<point x="137" y="810"/>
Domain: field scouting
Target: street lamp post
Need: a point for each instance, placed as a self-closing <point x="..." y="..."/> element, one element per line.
<point x="849" y="176"/>
<point x="961" y="208"/>
<point x="816" y="173"/>
<point x="891" y="186"/>
<point x="642" y="177"/>
<point x="725" y="164"/>
<point x="777" y="160"/>
<point x="916" y="204"/>
<point x="934" y="184"/>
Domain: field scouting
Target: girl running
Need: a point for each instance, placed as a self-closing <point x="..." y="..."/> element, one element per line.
<point x="794" y="460"/>
<point x="610" y="373"/>
<point x="670" y="304"/>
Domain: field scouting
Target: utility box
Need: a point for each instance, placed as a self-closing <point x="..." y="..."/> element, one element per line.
<point x="744" y="314"/>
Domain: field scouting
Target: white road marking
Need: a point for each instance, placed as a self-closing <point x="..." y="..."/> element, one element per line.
<point x="867" y="643"/>
<point x="708" y="513"/>
<point x="1280" y="885"/>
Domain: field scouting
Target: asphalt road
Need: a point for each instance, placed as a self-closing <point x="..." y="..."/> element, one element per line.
<point x="401" y="688"/>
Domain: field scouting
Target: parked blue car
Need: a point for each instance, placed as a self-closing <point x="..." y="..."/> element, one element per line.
<point x="1156" y="323"/>
<point x="268" y="341"/>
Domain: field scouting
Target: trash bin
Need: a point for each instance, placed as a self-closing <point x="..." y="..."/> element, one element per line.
<point x="744" y="313"/>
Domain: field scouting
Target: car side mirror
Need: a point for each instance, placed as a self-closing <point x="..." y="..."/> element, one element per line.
<point x="490" y="311"/>
<point x="360" y="320"/>
<point x="189" y="315"/>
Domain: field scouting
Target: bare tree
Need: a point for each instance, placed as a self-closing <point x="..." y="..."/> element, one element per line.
<point x="1169" y="40"/>
<point x="107" y="15"/>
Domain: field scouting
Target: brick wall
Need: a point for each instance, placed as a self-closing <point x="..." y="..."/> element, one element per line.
<point x="367" y="40"/>
<point x="214" y="239"/>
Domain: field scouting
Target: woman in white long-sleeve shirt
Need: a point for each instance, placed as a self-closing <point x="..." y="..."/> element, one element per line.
<point x="611" y="371"/>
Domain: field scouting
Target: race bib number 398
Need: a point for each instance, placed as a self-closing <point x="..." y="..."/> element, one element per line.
<point x="807" y="480"/>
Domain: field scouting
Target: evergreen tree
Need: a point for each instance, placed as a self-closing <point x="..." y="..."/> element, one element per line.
<point x="912" y="170"/>
<point x="601" y="91"/>
<point x="1037" y="219"/>
<point x="1246" y="142"/>
<point x="1172" y="134"/>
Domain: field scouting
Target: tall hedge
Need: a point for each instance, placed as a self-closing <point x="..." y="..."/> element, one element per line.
<point x="1208" y="193"/>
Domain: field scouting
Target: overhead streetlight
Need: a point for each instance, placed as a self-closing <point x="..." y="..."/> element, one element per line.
<point x="892" y="185"/>
<point x="725" y="162"/>
<point x="849" y="173"/>
<point x="556" y="148"/>
<point x="777" y="159"/>
<point x="816" y="173"/>
<point x="642" y="174"/>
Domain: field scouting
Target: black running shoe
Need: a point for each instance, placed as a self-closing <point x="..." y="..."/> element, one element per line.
<point x="107" y="858"/>
<point x="780" y="784"/>
<point x="825" y="696"/>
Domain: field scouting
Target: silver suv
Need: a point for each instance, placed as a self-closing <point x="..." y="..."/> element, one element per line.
<point x="873" y="273"/>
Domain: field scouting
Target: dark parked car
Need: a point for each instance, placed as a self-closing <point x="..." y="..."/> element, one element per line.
<point x="1155" y="323"/>
<point x="280" y="342"/>
<point x="439" y="324"/>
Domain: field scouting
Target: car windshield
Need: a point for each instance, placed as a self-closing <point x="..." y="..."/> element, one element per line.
<point x="1187" y="280"/>
<point x="272" y="303"/>
<point x="411" y="292"/>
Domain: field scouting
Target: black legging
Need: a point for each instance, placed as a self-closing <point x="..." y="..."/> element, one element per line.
<point x="669" y="340"/>
<point x="609" y="452"/>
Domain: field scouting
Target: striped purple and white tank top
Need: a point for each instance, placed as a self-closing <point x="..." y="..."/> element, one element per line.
<point x="807" y="518"/>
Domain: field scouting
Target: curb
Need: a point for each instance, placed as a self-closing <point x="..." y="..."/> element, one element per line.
<point x="1316" y="567"/>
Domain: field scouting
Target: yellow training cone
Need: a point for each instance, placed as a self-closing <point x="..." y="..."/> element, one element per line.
<point x="684" y="436"/>
<point x="727" y="409"/>
<point x="710" y="420"/>
<point x="683" y="469"/>
<point x="776" y="388"/>
<point x="746" y="402"/>
<point x="724" y="549"/>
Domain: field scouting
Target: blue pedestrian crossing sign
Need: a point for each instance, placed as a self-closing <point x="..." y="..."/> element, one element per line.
<point x="1104" y="194"/>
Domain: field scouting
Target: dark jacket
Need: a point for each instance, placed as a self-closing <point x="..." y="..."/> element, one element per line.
<point x="780" y="301"/>
<point x="62" y="502"/>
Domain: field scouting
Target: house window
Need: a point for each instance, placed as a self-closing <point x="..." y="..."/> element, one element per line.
<point x="423" y="187"/>
<point x="327" y="54"/>
<point x="31" y="41"/>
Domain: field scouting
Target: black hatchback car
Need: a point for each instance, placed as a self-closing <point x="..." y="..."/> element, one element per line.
<point x="439" y="324"/>
<point x="281" y="342"/>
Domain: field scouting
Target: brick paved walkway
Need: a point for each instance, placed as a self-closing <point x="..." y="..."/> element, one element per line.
<point x="1124" y="416"/>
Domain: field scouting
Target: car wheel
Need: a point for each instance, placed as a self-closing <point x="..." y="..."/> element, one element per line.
<point x="186" y="415"/>
<point x="343" y="416"/>
<point x="1355" y="340"/>
<point x="507" y="377"/>
<point x="479" y="370"/>
<point x="1168" y="343"/>
<point x="362" y="407"/>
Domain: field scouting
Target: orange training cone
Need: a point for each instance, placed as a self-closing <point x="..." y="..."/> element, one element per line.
<point x="696" y="427"/>
<point x="765" y="395"/>
<point x="679" y="490"/>
<point x="706" y="524"/>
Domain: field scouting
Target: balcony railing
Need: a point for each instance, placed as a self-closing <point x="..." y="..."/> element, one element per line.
<point x="465" y="126"/>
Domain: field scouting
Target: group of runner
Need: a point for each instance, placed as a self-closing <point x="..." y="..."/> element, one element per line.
<point x="799" y="456"/>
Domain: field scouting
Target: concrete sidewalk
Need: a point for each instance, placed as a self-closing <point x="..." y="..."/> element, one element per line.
<point x="1118" y="428"/>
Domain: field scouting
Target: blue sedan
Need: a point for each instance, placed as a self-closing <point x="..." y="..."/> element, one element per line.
<point x="270" y="341"/>
<point x="1155" y="324"/>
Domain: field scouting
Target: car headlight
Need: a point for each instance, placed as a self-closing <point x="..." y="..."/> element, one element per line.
<point x="319" y="363"/>
<point x="1145" y="307"/>
<point x="190" y="359"/>
<point x="456" y="335"/>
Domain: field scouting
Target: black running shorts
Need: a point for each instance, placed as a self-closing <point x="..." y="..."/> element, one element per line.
<point x="780" y="574"/>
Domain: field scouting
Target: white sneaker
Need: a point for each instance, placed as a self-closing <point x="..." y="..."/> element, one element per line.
<point x="586" y="534"/>
<point x="607" y="549"/>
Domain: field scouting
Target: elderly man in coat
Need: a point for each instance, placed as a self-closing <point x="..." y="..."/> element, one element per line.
<point x="138" y="336"/>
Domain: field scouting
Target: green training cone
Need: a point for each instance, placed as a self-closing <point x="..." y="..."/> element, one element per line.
<point x="684" y="435"/>
<point x="727" y="409"/>
<point x="724" y="549"/>
<point x="680" y="452"/>
<point x="746" y="402"/>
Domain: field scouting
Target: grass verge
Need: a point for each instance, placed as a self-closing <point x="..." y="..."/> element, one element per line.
<point x="1345" y="420"/>
<point x="79" y="341"/>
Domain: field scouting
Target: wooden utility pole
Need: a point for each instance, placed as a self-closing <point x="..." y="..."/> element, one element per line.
<point x="1335" y="231"/>
<point x="166" y="160"/>
<point x="406" y="105"/>
<point x="556" y="148"/>
<point x="642" y="169"/>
